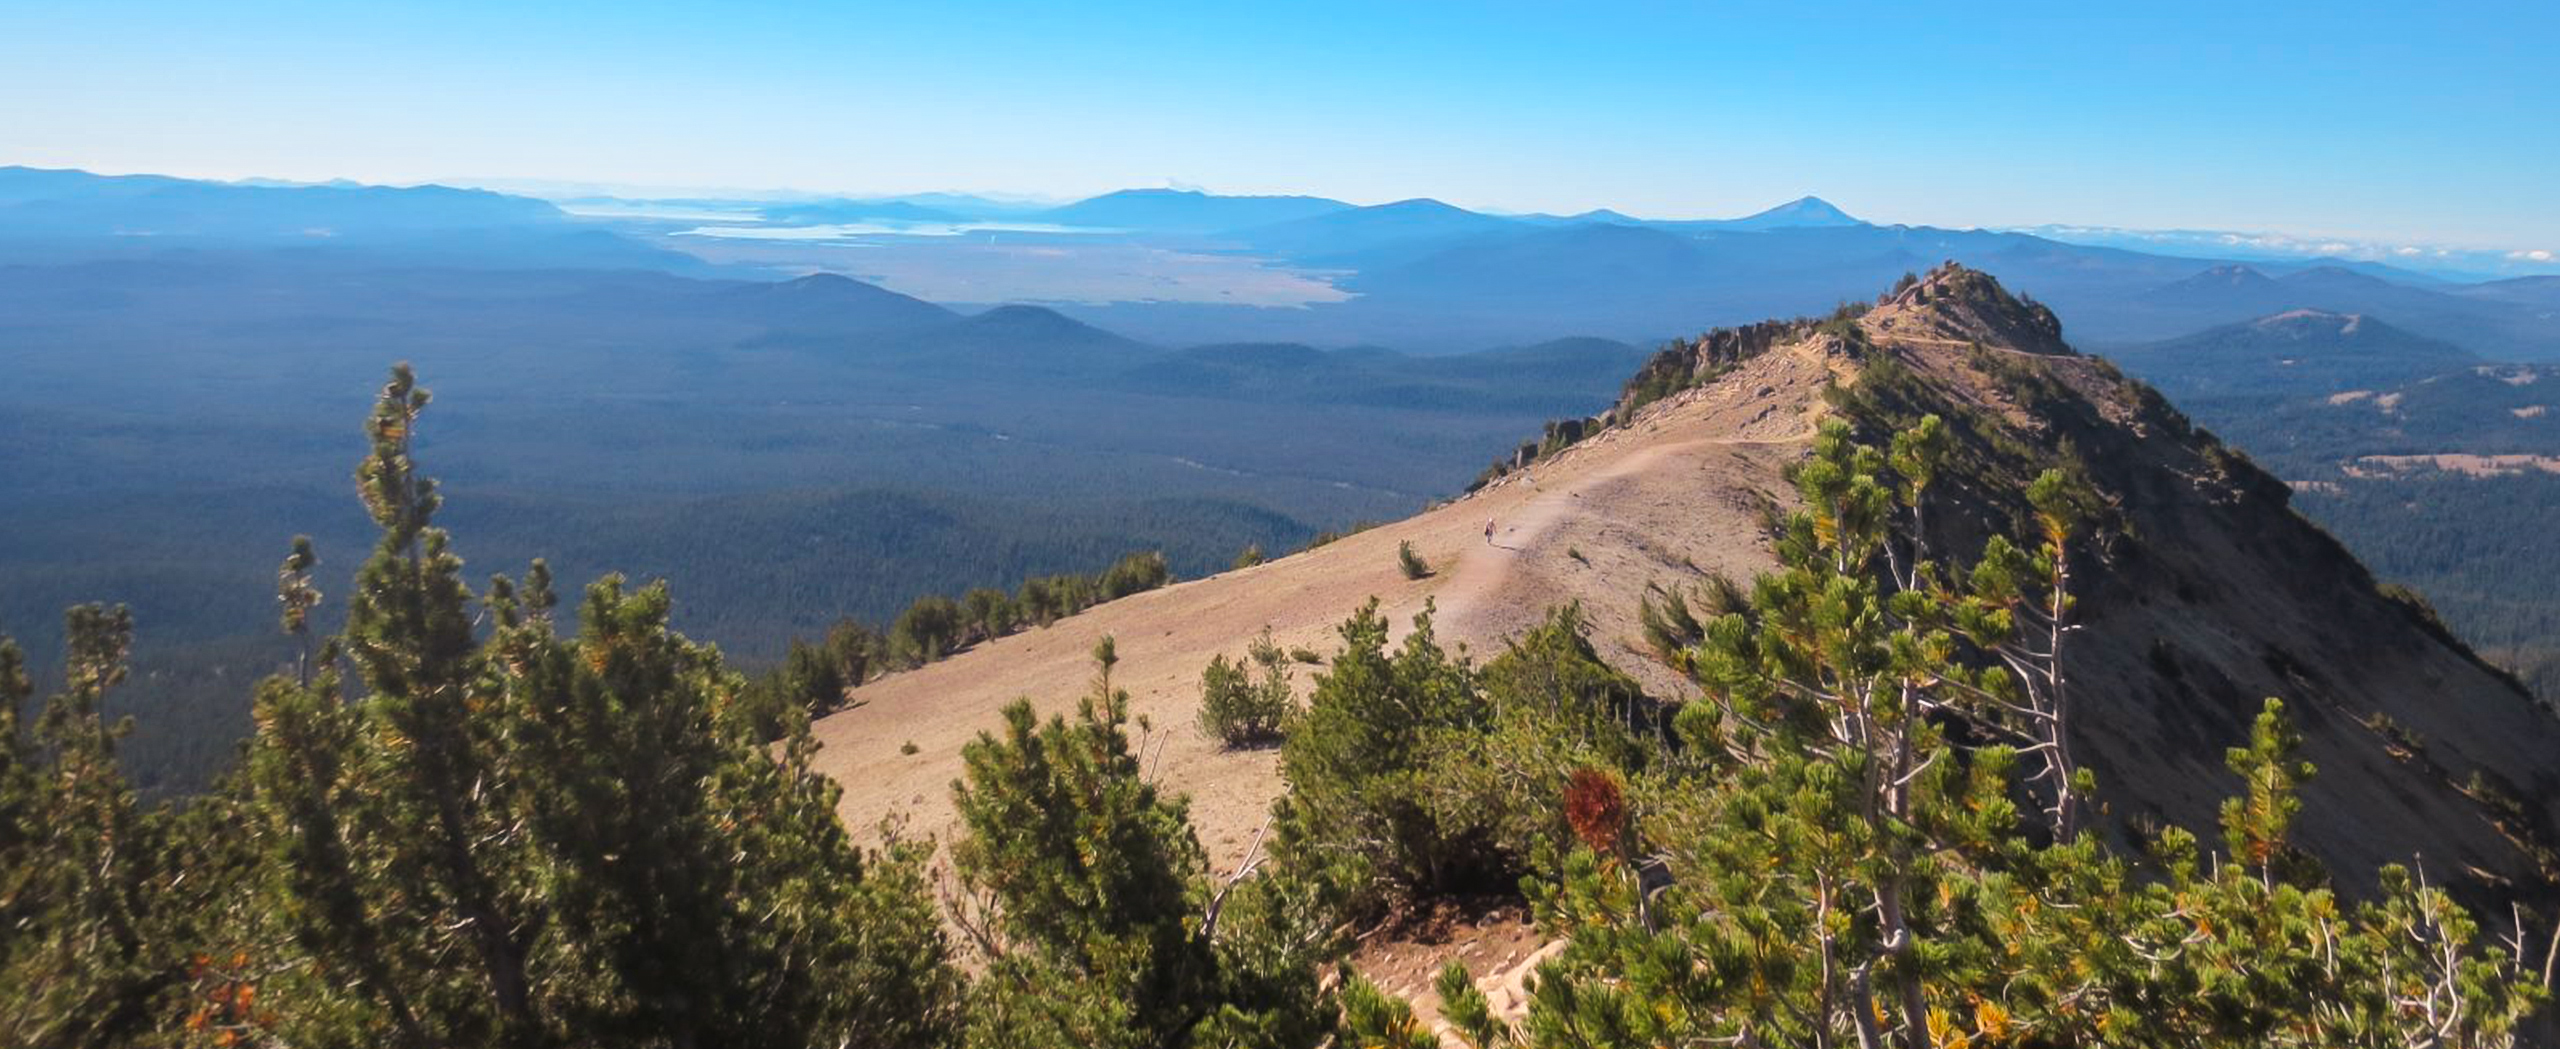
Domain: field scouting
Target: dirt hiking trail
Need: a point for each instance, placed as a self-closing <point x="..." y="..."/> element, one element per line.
<point x="1678" y="493"/>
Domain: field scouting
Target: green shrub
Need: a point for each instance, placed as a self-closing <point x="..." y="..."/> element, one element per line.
<point x="1100" y="923"/>
<point x="928" y="630"/>
<point x="1356" y="764"/>
<point x="1412" y="563"/>
<point x="1554" y="710"/>
<point x="1247" y="702"/>
<point x="988" y="612"/>
<point x="1136" y="573"/>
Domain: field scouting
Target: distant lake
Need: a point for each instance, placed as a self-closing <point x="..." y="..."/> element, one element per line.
<point x="661" y="212"/>
<point x="883" y="228"/>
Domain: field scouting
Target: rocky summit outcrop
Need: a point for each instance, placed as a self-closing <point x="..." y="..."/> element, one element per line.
<point x="2204" y="594"/>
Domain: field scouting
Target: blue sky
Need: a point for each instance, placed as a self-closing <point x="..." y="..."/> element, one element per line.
<point x="2344" y="119"/>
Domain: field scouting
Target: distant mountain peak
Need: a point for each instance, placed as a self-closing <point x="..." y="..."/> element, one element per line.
<point x="2233" y="273"/>
<point x="819" y="286"/>
<point x="2308" y="320"/>
<point x="1957" y="303"/>
<point x="1025" y="321"/>
<point x="1020" y="335"/>
<point x="1150" y="193"/>
<point x="2225" y="284"/>
<point x="820" y="281"/>
<point x="2334" y="276"/>
<point x="1025" y="313"/>
<point x="1416" y="204"/>
<point x="832" y="301"/>
<point x="1811" y="205"/>
<point x="1802" y="211"/>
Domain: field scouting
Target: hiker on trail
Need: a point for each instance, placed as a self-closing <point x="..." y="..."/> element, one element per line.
<point x="1488" y="531"/>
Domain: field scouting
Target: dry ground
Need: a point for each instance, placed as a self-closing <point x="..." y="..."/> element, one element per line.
<point x="1674" y="495"/>
<point x="1678" y="494"/>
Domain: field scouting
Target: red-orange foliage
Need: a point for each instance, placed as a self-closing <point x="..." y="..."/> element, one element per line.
<point x="1596" y="808"/>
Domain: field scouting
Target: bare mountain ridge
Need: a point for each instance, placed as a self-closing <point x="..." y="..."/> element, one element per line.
<point x="2205" y="593"/>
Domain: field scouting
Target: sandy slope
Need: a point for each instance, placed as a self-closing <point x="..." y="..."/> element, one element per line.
<point x="1676" y="494"/>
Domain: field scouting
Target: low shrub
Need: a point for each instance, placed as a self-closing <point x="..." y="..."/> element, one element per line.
<point x="1247" y="702"/>
<point x="1412" y="563"/>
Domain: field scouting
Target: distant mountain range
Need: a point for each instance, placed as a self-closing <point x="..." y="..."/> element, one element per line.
<point x="1419" y="275"/>
<point x="2437" y="262"/>
<point x="2542" y="292"/>
<point x="2302" y="352"/>
<point x="36" y="201"/>
<point x="52" y="216"/>
<point x="2494" y="324"/>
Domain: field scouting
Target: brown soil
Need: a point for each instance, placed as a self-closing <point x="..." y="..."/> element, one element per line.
<point x="1494" y="938"/>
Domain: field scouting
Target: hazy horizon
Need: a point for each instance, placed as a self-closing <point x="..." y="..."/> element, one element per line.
<point x="2341" y="122"/>
<point x="2445" y="258"/>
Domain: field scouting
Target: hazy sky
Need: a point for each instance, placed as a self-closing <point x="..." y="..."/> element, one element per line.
<point x="2431" y="123"/>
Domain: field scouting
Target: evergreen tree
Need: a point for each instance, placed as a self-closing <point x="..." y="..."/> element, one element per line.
<point x="2257" y="825"/>
<point x="22" y="813"/>
<point x="325" y="877"/>
<point x="442" y="766"/>
<point x="1357" y="761"/>
<point x="988" y="612"/>
<point x="1136" y="573"/>
<point x="813" y="679"/>
<point x="646" y="772"/>
<point x="85" y="961"/>
<point x="859" y="651"/>
<point x="1817" y="864"/>
<point x="120" y="923"/>
<point x="1039" y="602"/>
<point x="1091" y="874"/>
<point x="928" y="630"/>
<point x="1092" y="902"/>
<point x="548" y="840"/>
<point x="297" y="596"/>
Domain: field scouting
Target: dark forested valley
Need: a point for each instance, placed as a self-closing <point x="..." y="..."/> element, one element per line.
<point x="790" y="452"/>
